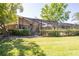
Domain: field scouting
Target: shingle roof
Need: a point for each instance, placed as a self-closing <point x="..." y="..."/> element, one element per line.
<point x="45" y="21"/>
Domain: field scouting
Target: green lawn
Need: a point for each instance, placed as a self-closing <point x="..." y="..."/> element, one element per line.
<point x="49" y="46"/>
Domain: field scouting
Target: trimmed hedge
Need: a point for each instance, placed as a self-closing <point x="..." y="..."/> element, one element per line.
<point x="54" y="33"/>
<point x="60" y="33"/>
<point x="20" y="32"/>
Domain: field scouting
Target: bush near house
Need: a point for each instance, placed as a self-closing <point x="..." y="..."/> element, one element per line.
<point x="54" y="33"/>
<point x="20" y="32"/>
<point x="76" y="33"/>
<point x="60" y="33"/>
<point x="0" y="32"/>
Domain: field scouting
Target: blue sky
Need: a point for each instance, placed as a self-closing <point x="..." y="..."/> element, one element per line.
<point x="32" y="10"/>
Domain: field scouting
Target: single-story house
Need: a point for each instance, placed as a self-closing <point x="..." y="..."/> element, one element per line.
<point x="36" y="24"/>
<point x="25" y="22"/>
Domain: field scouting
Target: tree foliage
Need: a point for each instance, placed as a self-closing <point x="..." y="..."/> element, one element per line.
<point x="76" y="16"/>
<point x="8" y="13"/>
<point x="55" y="12"/>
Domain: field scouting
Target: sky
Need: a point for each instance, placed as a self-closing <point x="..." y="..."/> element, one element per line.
<point x="33" y="10"/>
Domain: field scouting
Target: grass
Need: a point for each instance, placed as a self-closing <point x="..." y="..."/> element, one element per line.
<point x="41" y="46"/>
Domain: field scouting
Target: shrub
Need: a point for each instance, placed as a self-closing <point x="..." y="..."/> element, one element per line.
<point x="54" y="33"/>
<point x="50" y="33"/>
<point x="76" y="33"/>
<point x="0" y="32"/>
<point x="58" y="33"/>
<point x="20" y="32"/>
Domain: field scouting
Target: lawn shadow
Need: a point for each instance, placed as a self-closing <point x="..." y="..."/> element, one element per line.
<point x="23" y="48"/>
<point x="30" y="49"/>
<point x="5" y="47"/>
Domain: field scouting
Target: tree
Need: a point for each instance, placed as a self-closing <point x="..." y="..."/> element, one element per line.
<point x="76" y="16"/>
<point x="55" y="12"/>
<point x="8" y="14"/>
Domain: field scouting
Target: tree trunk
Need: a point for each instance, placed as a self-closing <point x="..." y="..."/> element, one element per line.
<point x="55" y="24"/>
<point x="4" y="30"/>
